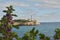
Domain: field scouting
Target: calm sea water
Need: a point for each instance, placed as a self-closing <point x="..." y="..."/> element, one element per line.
<point x="46" y="28"/>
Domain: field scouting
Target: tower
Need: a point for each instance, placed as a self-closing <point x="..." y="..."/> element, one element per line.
<point x="31" y="17"/>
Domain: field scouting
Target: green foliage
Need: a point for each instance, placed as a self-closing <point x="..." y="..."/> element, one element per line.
<point x="6" y="25"/>
<point x="10" y="9"/>
<point x="57" y="34"/>
<point x="30" y="35"/>
<point x="14" y="15"/>
<point x="43" y="37"/>
<point x="26" y="36"/>
<point x="0" y="38"/>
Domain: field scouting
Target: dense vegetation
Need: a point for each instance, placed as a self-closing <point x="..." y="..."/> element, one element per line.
<point x="6" y="26"/>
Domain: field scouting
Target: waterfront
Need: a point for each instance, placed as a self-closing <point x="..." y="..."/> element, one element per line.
<point x="46" y="28"/>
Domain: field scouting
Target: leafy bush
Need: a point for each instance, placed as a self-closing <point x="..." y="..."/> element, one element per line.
<point x="31" y="35"/>
<point x="6" y="25"/>
<point x="57" y="34"/>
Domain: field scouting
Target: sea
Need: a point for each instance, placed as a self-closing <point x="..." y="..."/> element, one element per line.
<point x="47" y="28"/>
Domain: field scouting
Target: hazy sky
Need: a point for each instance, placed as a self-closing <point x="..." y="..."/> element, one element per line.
<point x="41" y="10"/>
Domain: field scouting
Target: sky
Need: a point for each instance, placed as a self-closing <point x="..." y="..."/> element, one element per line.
<point x="41" y="10"/>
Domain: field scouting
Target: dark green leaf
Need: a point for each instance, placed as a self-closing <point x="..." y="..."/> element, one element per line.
<point x="14" y="15"/>
<point x="0" y="38"/>
<point x="4" y="10"/>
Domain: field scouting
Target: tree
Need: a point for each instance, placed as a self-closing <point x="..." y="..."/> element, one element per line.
<point x="7" y="24"/>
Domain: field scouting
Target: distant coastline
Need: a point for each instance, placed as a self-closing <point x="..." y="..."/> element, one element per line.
<point x="24" y="22"/>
